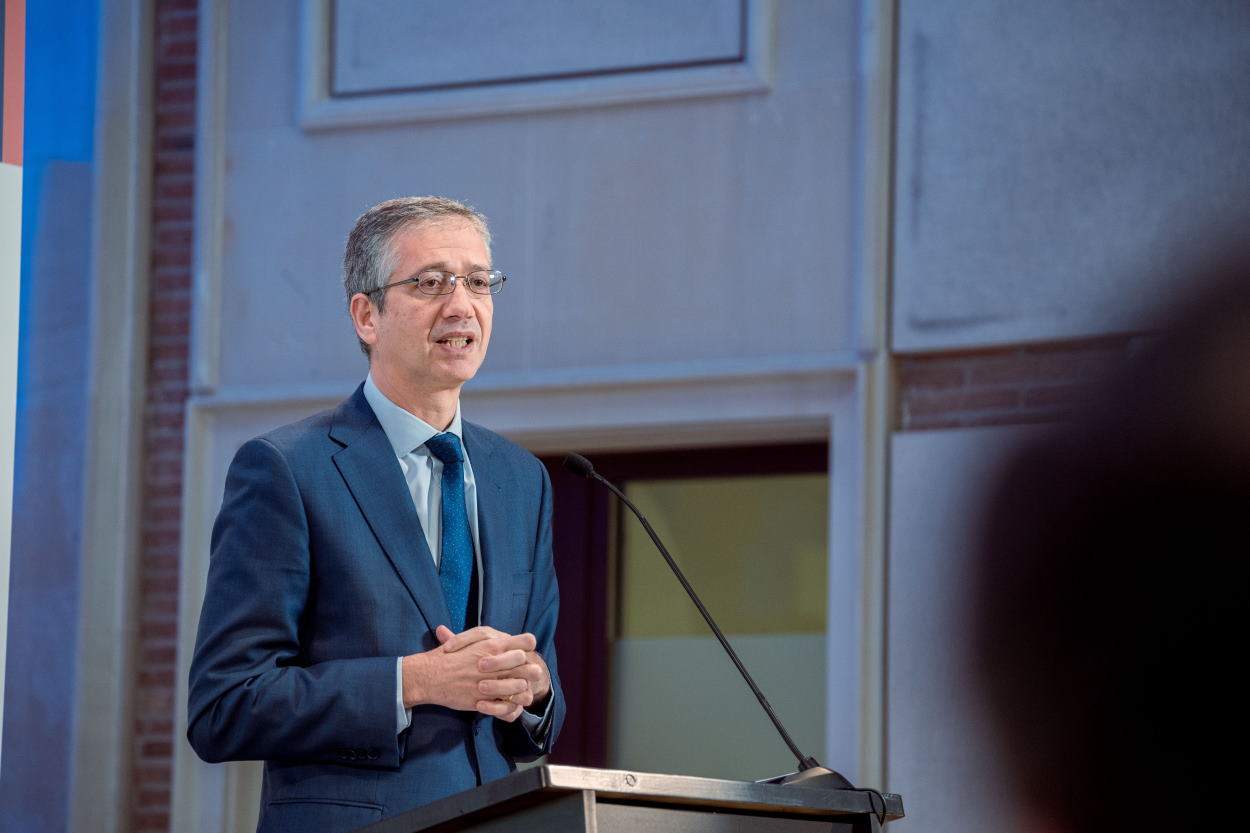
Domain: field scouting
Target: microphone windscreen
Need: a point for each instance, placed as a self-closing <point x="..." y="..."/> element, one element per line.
<point x="579" y="465"/>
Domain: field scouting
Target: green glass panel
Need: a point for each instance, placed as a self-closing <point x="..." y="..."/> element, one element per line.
<point x="755" y="549"/>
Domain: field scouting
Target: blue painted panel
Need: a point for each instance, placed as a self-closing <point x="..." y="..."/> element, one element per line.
<point x="53" y="365"/>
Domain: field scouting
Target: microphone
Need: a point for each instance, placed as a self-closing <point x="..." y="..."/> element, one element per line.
<point x="810" y="773"/>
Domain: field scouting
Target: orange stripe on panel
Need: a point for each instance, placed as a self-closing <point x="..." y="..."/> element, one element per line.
<point x="14" y="79"/>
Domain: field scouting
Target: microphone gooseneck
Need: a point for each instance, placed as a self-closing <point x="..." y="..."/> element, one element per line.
<point x="810" y="772"/>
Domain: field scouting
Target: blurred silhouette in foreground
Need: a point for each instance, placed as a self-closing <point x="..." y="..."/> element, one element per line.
<point x="1109" y="570"/>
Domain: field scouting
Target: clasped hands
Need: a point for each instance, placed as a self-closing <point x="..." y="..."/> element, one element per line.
<point x="480" y="669"/>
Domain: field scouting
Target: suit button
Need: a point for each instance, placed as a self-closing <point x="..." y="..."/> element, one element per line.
<point x="342" y="753"/>
<point x="373" y="753"/>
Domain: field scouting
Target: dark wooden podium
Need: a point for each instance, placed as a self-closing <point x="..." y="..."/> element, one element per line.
<point x="569" y="799"/>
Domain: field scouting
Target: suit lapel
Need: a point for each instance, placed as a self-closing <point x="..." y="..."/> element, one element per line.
<point x="367" y="464"/>
<point x="491" y="479"/>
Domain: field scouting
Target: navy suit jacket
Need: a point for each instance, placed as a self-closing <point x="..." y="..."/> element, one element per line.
<point x="320" y="577"/>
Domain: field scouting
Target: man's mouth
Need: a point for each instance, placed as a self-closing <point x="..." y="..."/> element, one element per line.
<point x="456" y="341"/>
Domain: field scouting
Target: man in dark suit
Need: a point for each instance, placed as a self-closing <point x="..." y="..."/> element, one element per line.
<point x="381" y="603"/>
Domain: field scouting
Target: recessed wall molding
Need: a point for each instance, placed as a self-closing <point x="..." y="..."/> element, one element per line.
<point x="384" y="61"/>
<point x="618" y="409"/>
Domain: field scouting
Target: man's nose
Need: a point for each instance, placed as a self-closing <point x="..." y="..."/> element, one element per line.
<point x="459" y="302"/>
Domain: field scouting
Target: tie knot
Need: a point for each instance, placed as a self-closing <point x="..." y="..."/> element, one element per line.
<point x="446" y="447"/>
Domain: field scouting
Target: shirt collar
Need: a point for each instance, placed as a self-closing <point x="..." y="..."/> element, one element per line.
<point x="405" y="431"/>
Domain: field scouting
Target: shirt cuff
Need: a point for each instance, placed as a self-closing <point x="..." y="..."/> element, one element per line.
<point x="403" y="717"/>
<point x="538" y="726"/>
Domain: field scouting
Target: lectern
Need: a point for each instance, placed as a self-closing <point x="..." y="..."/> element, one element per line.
<point x="570" y="799"/>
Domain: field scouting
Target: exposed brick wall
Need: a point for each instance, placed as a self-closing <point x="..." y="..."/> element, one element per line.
<point x="168" y="347"/>
<point x="1015" y="385"/>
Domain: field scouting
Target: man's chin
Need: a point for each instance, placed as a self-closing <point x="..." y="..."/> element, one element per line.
<point x="456" y="373"/>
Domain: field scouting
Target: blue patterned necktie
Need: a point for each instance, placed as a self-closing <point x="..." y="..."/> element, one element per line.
<point x="455" y="566"/>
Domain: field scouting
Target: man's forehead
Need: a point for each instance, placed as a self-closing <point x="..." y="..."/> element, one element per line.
<point x="438" y="244"/>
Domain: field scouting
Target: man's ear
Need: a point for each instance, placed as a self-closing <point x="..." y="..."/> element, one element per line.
<point x="364" y="316"/>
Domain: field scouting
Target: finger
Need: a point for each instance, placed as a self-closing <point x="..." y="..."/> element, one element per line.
<point x="443" y="633"/>
<point x="460" y="640"/>
<point x="522" y="699"/>
<point x="530" y="672"/>
<point x="507" y="642"/>
<point x="501" y="709"/>
<point x="506" y="661"/>
<point x="502" y="688"/>
<point x="540" y="685"/>
<point x="521" y="642"/>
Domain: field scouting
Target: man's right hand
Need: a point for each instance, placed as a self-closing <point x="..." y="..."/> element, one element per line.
<point x="449" y="675"/>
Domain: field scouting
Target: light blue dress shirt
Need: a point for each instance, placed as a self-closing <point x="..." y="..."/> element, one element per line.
<point x="424" y="474"/>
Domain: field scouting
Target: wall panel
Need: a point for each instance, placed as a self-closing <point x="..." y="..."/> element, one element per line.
<point x="1057" y="160"/>
<point x="938" y="749"/>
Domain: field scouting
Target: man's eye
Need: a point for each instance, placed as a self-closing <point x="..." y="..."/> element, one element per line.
<point x="479" y="280"/>
<point x="427" y="281"/>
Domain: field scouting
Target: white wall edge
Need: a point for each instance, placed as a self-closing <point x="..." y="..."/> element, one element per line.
<point x="199" y="789"/>
<point x="103" y="707"/>
<point x="857" y="728"/>
<point x="10" y="296"/>
<point x="319" y="110"/>
<point x="844" y="621"/>
<point x="209" y="215"/>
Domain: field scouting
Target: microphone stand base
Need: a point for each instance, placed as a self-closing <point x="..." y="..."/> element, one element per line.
<point x="814" y="778"/>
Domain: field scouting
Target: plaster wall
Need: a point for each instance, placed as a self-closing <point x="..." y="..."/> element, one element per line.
<point x="938" y="750"/>
<point x="1058" y="162"/>
<point x="643" y="236"/>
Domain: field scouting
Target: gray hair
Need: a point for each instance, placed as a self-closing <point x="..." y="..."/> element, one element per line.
<point x="369" y="258"/>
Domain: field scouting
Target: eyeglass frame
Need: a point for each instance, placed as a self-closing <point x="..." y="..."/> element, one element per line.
<point x="492" y="289"/>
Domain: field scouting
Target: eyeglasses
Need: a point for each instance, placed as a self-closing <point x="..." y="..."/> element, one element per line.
<point x="434" y="282"/>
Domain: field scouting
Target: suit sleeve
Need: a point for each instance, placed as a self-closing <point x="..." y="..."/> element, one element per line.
<point x="540" y="620"/>
<point x="252" y="693"/>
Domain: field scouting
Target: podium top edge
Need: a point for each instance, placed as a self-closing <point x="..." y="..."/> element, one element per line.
<point x="549" y="781"/>
<point x="666" y="788"/>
